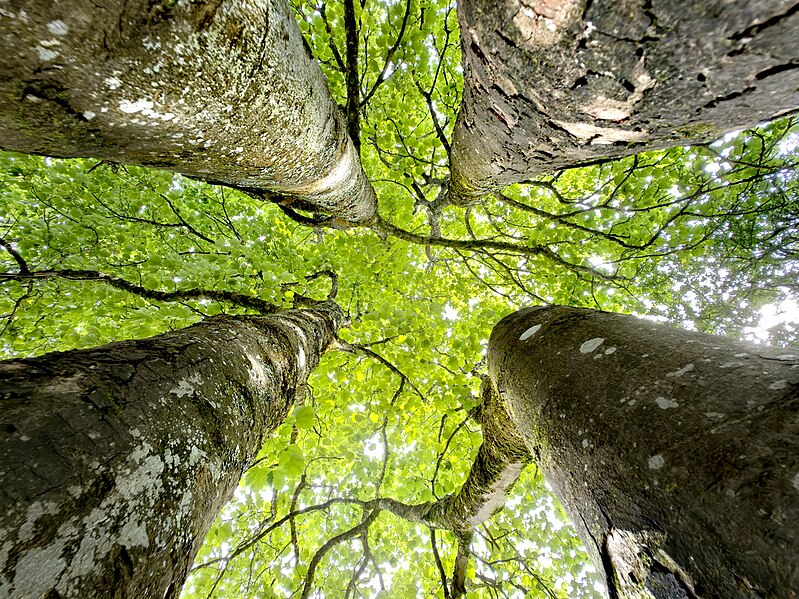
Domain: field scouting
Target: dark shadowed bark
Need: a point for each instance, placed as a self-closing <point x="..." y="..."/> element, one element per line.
<point x="116" y="460"/>
<point x="676" y="453"/>
<point x="552" y="84"/>
<point x="220" y="91"/>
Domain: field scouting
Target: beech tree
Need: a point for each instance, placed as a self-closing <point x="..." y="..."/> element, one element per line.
<point x="401" y="444"/>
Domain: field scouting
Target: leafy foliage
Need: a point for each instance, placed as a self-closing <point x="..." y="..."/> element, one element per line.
<point x="701" y="236"/>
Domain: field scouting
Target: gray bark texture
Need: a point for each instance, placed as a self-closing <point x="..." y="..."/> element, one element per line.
<point x="553" y="84"/>
<point x="220" y="91"/>
<point x="675" y="453"/>
<point x="115" y="461"/>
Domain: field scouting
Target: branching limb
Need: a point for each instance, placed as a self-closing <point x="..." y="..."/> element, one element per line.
<point x="237" y="299"/>
<point x="23" y="266"/>
<point x="384" y="74"/>
<point x="307" y="585"/>
<point x="356" y="348"/>
<point x="482" y="244"/>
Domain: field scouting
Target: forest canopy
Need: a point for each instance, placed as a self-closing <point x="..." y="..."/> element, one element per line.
<point x="703" y="237"/>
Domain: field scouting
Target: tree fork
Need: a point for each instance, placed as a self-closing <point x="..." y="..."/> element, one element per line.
<point x="676" y="453"/>
<point x="116" y="460"/>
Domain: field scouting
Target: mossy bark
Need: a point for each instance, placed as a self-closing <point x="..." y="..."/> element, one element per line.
<point x="115" y="461"/>
<point x="219" y="91"/>
<point x="553" y="84"/>
<point x="676" y="453"/>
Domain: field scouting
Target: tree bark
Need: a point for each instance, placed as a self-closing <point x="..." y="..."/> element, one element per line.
<point x="219" y="91"/>
<point x="553" y="84"/>
<point x="676" y="453"/>
<point x="116" y="460"/>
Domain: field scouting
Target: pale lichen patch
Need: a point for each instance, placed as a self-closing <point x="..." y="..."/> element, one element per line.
<point x="600" y="135"/>
<point x="112" y="83"/>
<point x="656" y="462"/>
<point x="529" y="332"/>
<point x="45" y="54"/>
<point x="186" y="386"/>
<point x="591" y="345"/>
<point x="778" y="385"/>
<point x="665" y="403"/>
<point x="678" y="373"/>
<point x="58" y="27"/>
<point x="715" y="415"/>
<point x="134" y="534"/>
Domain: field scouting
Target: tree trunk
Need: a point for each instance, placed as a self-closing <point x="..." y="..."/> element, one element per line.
<point x="676" y="453"/>
<point x="116" y="460"/>
<point x="219" y="91"/>
<point x="553" y="84"/>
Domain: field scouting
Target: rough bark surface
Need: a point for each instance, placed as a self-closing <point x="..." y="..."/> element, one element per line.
<point x="116" y="460"/>
<point x="553" y="84"/>
<point x="675" y="453"/>
<point x="220" y="91"/>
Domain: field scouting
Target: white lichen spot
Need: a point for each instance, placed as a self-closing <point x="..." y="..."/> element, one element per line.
<point x="631" y="403"/>
<point x="598" y="356"/>
<point x="301" y="361"/>
<point x="656" y="462"/>
<point x="57" y="27"/>
<point x="730" y="364"/>
<point x="45" y="54"/>
<point x="715" y="415"/>
<point x="795" y="481"/>
<point x="681" y="371"/>
<point x="35" y="511"/>
<point x="28" y="573"/>
<point x="186" y="386"/>
<point x="585" y="443"/>
<point x="134" y="534"/>
<point x="112" y="83"/>
<point x="664" y="403"/>
<point x="591" y="345"/>
<point x="600" y="135"/>
<point x="778" y="385"/>
<point x="134" y="107"/>
<point x="89" y="115"/>
<point x="530" y="332"/>
<point x="258" y="374"/>
<point x="610" y="350"/>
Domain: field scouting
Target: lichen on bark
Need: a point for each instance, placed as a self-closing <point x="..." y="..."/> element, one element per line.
<point x="673" y="451"/>
<point x="219" y="91"/>
<point x="117" y="459"/>
<point x="556" y="84"/>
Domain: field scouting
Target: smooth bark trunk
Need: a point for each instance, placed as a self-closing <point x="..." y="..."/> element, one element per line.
<point x="115" y="461"/>
<point x="676" y="453"/>
<point x="553" y="84"/>
<point x="220" y="91"/>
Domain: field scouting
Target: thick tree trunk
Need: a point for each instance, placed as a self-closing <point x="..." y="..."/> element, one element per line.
<point x="676" y="453"/>
<point x="220" y="91"/>
<point x="552" y="84"/>
<point x="116" y="460"/>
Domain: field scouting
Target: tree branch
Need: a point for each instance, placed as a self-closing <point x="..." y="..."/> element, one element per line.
<point x="237" y="299"/>
<point x="344" y="536"/>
